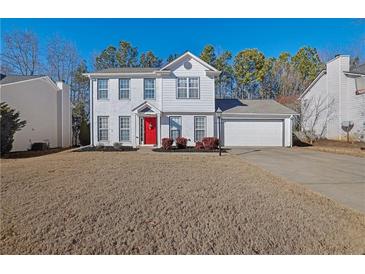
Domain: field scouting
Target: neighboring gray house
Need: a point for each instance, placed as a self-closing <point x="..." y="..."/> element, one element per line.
<point x="337" y="95"/>
<point x="45" y="106"/>
<point x="140" y="106"/>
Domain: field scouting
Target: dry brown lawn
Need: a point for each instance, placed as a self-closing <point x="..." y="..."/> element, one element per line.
<point x="155" y="203"/>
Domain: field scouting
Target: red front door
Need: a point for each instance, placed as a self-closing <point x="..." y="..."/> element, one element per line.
<point x="150" y="130"/>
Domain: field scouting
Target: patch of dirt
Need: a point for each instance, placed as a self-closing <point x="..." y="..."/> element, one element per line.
<point x="163" y="203"/>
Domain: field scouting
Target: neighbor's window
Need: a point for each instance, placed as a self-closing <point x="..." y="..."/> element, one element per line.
<point x="200" y="123"/>
<point x="124" y="128"/>
<point x="188" y="87"/>
<point x="102" y="89"/>
<point x="149" y="89"/>
<point x="102" y="128"/>
<point x="175" y="127"/>
<point x="124" y="88"/>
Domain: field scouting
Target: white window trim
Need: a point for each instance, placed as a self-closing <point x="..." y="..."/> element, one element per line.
<point x="129" y="89"/>
<point x="205" y="127"/>
<point x="175" y="116"/>
<point x="187" y="87"/>
<point x="97" y="89"/>
<point x="99" y="128"/>
<point x="154" y="88"/>
<point x="129" y="129"/>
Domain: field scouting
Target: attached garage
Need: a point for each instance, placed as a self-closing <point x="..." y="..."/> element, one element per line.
<point x="255" y="123"/>
<point x="253" y="132"/>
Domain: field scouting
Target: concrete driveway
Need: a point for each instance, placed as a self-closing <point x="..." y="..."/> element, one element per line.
<point x="339" y="177"/>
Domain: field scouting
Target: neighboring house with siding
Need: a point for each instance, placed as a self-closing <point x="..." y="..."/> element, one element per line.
<point x="337" y="95"/>
<point x="140" y="106"/>
<point x="44" y="105"/>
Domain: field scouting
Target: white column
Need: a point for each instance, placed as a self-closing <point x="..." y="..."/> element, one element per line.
<point x="159" y="130"/>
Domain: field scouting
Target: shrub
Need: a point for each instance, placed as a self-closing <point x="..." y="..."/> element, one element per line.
<point x="10" y="123"/>
<point x="167" y="143"/>
<point x="199" y="146"/>
<point x="210" y="143"/>
<point x="84" y="133"/>
<point x="118" y="146"/>
<point x="181" y="142"/>
<point x="39" y="146"/>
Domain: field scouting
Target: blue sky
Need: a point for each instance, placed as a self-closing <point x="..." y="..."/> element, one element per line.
<point x="165" y="36"/>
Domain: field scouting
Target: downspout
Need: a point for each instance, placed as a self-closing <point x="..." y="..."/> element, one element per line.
<point x="91" y="112"/>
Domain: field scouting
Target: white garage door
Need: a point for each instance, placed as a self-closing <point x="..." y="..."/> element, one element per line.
<point x="253" y="132"/>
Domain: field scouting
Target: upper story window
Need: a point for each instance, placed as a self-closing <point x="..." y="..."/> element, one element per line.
<point x="124" y="88"/>
<point x="188" y="88"/>
<point x="102" y="89"/>
<point x="149" y="89"/>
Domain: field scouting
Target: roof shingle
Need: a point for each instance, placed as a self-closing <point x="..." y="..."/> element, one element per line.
<point x="235" y="106"/>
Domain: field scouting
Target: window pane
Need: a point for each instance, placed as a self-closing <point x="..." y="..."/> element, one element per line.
<point x="193" y="93"/>
<point x="200" y="125"/>
<point x="103" y="128"/>
<point x="102" y="89"/>
<point x="102" y="83"/>
<point x="193" y="82"/>
<point x="175" y="127"/>
<point x="182" y="93"/>
<point x="124" y="126"/>
<point x="199" y="135"/>
<point x="124" y="88"/>
<point x="182" y="82"/>
<point x="149" y="88"/>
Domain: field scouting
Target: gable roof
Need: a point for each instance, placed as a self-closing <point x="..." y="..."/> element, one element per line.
<point x="189" y="54"/>
<point x="236" y="106"/>
<point x="9" y="79"/>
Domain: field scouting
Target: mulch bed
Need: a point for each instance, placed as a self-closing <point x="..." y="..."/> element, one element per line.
<point x="107" y="149"/>
<point x="30" y="153"/>
<point x="188" y="149"/>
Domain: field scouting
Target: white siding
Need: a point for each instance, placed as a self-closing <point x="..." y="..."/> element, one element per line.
<point x="315" y="96"/>
<point x="356" y="110"/>
<point x="206" y="102"/>
<point x="36" y="100"/>
<point x="187" y="125"/>
<point x="347" y="106"/>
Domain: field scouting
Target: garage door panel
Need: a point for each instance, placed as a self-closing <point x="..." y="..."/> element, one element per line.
<point x="253" y="132"/>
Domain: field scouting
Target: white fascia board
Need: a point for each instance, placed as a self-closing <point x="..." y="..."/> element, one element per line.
<point x="28" y="80"/>
<point x="188" y="53"/>
<point x="119" y="74"/>
<point x="256" y="115"/>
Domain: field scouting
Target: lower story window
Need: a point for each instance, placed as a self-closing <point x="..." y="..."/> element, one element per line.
<point x="124" y="128"/>
<point x="175" y="127"/>
<point x="102" y="128"/>
<point x="200" y="124"/>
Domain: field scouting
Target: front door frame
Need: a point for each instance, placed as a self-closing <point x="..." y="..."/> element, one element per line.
<point x="142" y="132"/>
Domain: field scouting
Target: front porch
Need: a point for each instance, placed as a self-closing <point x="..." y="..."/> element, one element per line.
<point x="147" y="130"/>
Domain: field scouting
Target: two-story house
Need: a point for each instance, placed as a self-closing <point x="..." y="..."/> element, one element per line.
<point x="44" y="105"/>
<point x="334" y="98"/>
<point x="140" y="106"/>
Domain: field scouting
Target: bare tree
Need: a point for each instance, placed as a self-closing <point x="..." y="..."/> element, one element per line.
<point x="63" y="59"/>
<point x="20" y="53"/>
<point x="316" y="112"/>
